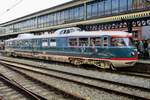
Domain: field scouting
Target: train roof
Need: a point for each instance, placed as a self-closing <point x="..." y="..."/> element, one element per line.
<point x="74" y="34"/>
<point x="97" y="33"/>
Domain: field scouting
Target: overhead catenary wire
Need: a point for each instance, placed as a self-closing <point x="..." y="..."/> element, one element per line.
<point x="11" y="7"/>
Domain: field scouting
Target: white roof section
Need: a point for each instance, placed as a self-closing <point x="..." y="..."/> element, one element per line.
<point x="96" y="33"/>
<point x="25" y="36"/>
<point x="72" y="29"/>
<point x="76" y="33"/>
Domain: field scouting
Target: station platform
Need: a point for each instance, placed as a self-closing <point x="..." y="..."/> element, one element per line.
<point x="142" y="66"/>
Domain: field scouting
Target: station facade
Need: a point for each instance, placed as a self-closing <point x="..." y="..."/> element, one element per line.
<point x="92" y="15"/>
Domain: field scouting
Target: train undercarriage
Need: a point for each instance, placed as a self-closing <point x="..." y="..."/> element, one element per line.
<point x="104" y="64"/>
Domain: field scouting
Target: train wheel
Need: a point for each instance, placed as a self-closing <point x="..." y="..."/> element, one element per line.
<point x="78" y="62"/>
<point x="103" y="65"/>
<point x="112" y="67"/>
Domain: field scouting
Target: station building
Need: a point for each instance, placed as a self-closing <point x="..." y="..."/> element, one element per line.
<point x="92" y="15"/>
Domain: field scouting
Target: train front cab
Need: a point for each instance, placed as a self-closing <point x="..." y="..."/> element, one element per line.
<point x="120" y="51"/>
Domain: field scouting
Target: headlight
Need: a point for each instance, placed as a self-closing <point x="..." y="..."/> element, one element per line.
<point x="133" y="53"/>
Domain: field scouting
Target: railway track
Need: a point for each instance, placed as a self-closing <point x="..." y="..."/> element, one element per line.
<point x="93" y="68"/>
<point x="81" y="88"/>
<point x="127" y="90"/>
<point x="136" y="74"/>
<point x="11" y="90"/>
<point x="35" y="88"/>
<point x="119" y="72"/>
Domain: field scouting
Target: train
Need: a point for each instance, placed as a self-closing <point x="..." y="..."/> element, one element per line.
<point x="2" y="45"/>
<point x="104" y="49"/>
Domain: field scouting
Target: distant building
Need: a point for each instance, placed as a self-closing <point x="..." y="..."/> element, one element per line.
<point x="86" y="14"/>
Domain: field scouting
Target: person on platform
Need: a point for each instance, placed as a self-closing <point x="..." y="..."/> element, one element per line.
<point x="141" y="49"/>
<point x="145" y="46"/>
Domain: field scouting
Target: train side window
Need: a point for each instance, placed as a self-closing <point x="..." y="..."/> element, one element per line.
<point x="26" y="43"/>
<point x="73" y="42"/>
<point x="30" y="43"/>
<point x="95" y="41"/>
<point x="17" y="43"/>
<point x="20" y="43"/>
<point x="34" y="44"/>
<point x="113" y="41"/>
<point x="66" y="31"/>
<point x="44" y="43"/>
<point x="62" y="32"/>
<point x="53" y="42"/>
<point x="83" y="42"/>
<point x="10" y="43"/>
<point x="118" y="41"/>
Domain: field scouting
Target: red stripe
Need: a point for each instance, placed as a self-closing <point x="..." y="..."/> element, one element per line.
<point x="110" y="58"/>
<point x="124" y="58"/>
<point x="118" y="59"/>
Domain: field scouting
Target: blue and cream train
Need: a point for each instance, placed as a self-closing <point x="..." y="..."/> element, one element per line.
<point x="105" y="49"/>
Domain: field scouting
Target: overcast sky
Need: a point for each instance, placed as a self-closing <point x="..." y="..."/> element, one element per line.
<point x="12" y="9"/>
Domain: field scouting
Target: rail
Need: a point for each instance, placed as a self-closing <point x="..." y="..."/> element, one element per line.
<point x="71" y="75"/>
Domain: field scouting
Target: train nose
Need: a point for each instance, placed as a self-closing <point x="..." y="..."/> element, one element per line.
<point x="134" y="52"/>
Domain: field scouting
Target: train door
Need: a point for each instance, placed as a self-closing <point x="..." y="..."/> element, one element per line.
<point x="105" y="41"/>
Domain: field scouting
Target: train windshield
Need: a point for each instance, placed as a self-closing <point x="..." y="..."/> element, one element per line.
<point x="120" y="42"/>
